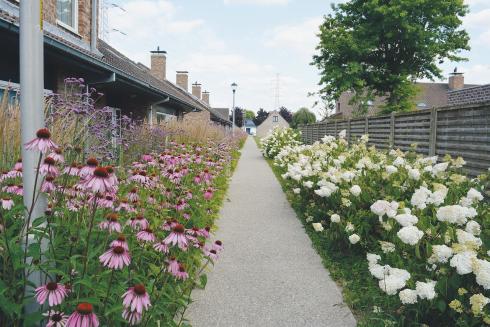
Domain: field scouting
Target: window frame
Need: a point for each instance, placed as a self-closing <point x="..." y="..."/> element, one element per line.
<point x="59" y="22"/>
<point x="275" y="119"/>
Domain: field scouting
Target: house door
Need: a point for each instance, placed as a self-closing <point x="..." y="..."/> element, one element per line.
<point x="248" y="130"/>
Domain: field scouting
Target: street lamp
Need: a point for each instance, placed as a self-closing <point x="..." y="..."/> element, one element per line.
<point x="233" y="88"/>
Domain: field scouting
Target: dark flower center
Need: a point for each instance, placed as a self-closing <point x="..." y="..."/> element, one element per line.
<point x="179" y="228"/>
<point x="56" y="317"/>
<point x="139" y="289"/>
<point x="52" y="286"/>
<point x="92" y="162"/>
<point x="140" y="217"/>
<point x="85" y="308"/>
<point x="74" y="164"/>
<point x="213" y="251"/>
<point x="101" y="172"/>
<point x="49" y="161"/>
<point x="112" y="216"/>
<point x="58" y="151"/>
<point x="118" y="250"/>
<point x="181" y="268"/>
<point x="148" y="230"/>
<point x="218" y="243"/>
<point x="43" y="133"/>
<point x="142" y="173"/>
<point x="121" y="238"/>
<point x="19" y="160"/>
<point x="134" y="190"/>
<point x="49" y="178"/>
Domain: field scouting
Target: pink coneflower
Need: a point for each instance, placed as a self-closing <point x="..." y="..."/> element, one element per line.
<point x="132" y="317"/>
<point x="188" y="195"/>
<point x="120" y="241"/>
<point x="7" y="203"/>
<point x="168" y="225"/>
<point x="15" y="173"/>
<point x="48" y="167"/>
<point x="161" y="247"/>
<point x="42" y="142"/>
<point x="136" y="299"/>
<point x="186" y="215"/>
<point x="218" y="245"/>
<point x="72" y="170"/>
<point x="208" y="194"/>
<point x="173" y="266"/>
<point x="57" y="155"/>
<point x="147" y="157"/>
<point x="112" y="176"/>
<point x="151" y="200"/>
<point x="48" y="185"/>
<point x="111" y="224"/>
<point x="56" y="319"/>
<point x="53" y="292"/>
<point x="139" y="222"/>
<point x="181" y="205"/>
<point x="140" y="177"/>
<point x="133" y="195"/>
<point x="177" y="237"/>
<point x="89" y="168"/>
<point x="99" y="181"/>
<point x="116" y="258"/>
<point x="146" y="235"/>
<point x="18" y="164"/>
<point x="107" y="201"/>
<point x="182" y="274"/>
<point x="212" y="254"/>
<point x="124" y="205"/>
<point x="83" y="316"/>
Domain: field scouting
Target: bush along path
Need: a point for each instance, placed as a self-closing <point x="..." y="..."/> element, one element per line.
<point x="407" y="236"/>
<point x="268" y="275"/>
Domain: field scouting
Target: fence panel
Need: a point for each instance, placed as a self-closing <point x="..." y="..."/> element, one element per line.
<point x="459" y="131"/>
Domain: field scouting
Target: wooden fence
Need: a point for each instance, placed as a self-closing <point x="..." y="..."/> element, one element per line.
<point x="458" y="130"/>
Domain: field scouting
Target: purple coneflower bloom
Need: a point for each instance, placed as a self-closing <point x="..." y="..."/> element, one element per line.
<point x="55" y="319"/>
<point x="173" y="266"/>
<point x="83" y="316"/>
<point x="72" y="170"/>
<point x="139" y="222"/>
<point x="53" y="292"/>
<point x="132" y="317"/>
<point x="116" y="258"/>
<point x="18" y="164"/>
<point x="15" y="173"/>
<point x="146" y="235"/>
<point x="42" y="142"/>
<point x="48" y="167"/>
<point x="133" y="195"/>
<point x="181" y="273"/>
<point x="120" y="241"/>
<point x="208" y="194"/>
<point x="57" y="155"/>
<point x="7" y="203"/>
<point x="212" y="254"/>
<point x="136" y="299"/>
<point x="111" y="224"/>
<point x="88" y="170"/>
<point x="48" y="185"/>
<point x="161" y="247"/>
<point x="99" y="181"/>
<point x="177" y="237"/>
<point x="218" y="245"/>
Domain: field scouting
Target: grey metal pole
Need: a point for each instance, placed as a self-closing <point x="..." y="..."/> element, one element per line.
<point x="31" y="103"/>
<point x="233" y="108"/>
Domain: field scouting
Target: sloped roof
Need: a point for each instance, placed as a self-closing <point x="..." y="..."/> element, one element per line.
<point x="249" y="123"/>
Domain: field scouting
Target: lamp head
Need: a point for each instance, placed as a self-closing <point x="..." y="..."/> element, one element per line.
<point x="234" y="87"/>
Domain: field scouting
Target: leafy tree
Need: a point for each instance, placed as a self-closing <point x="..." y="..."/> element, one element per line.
<point x="379" y="47"/>
<point x="238" y="116"/>
<point x="249" y="114"/>
<point x="286" y="114"/>
<point x="260" y="117"/>
<point x="303" y="116"/>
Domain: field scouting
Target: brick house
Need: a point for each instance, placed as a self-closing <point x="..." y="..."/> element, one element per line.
<point x="72" y="49"/>
<point x="429" y="95"/>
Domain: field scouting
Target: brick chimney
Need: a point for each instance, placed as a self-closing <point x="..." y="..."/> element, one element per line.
<point x="182" y="79"/>
<point x="456" y="80"/>
<point x="205" y="97"/>
<point x="159" y="64"/>
<point x="196" y="90"/>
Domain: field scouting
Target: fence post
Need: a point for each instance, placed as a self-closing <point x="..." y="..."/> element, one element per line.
<point x="392" y="130"/>
<point x="433" y="132"/>
<point x="348" y="131"/>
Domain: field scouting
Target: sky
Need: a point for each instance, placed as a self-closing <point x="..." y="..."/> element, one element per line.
<point x="265" y="46"/>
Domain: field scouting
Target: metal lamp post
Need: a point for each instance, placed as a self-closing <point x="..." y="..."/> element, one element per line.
<point x="233" y="88"/>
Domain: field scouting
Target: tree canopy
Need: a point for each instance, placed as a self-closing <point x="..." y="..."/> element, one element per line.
<point x="379" y="47"/>
<point x="238" y="117"/>
<point x="303" y="116"/>
<point x="260" y="117"/>
<point x="286" y="114"/>
<point x="249" y="114"/>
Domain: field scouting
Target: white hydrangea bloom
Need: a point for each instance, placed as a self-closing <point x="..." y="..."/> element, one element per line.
<point x="473" y="227"/>
<point x="426" y="290"/>
<point x="391" y="169"/>
<point x="355" y="190"/>
<point x="387" y="247"/>
<point x="408" y="296"/>
<point x="349" y="227"/>
<point x="474" y="195"/>
<point x="372" y="258"/>
<point x="399" y="161"/>
<point x="410" y="235"/>
<point x="414" y="174"/>
<point x="455" y="214"/>
<point x="296" y="190"/>
<point x="406" y="219"/>
<point x="439" y="168"/>
<point x="342" y="134"/>
<point x="420" y="197"/>
<point x="335" y="218"/>
<point x="440" y="253"/>
<point x="308" y="184"/>
<point x="481" y="269"/>
<point x="468" y="239"/>
<point x="463" y="262"/>
<point x="383" y="207"/>
<point x="354" y="238"/>
<point x="395" y="280"/>
<point x="317" y="227"/>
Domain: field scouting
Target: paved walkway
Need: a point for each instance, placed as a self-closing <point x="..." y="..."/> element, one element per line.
<point x="268" y="274"/>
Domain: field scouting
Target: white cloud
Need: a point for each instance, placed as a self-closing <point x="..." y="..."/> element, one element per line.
<point x="477" y="74"/>
<point x="256" y="2"/>
<point x="477" y="18"/>
<point x="301" y="37"/>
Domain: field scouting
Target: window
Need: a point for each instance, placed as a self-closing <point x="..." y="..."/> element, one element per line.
<point x="67" y="14"/>
<point x="275" y="119"/>
<point x="163" y="117"/>
<point x="422" y="105"/>
<point x="370" y="103"/>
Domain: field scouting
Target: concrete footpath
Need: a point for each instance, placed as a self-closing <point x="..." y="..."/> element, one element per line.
<point x="268" y="273"/>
